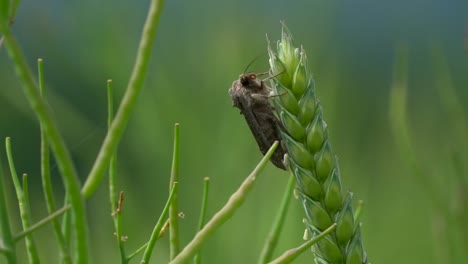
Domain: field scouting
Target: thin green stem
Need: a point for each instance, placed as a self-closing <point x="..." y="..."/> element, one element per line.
<point x="228" y="210"/>
<point x="174" y="207"/>
<point x="113" y="161"/>
<point x="46" y="178"/>
<point x="65" y="164"/>
<point x="138" y="251"/>
<point x="273" y="237"/>
<point x="201" y="221"/>
<point x="66" y="223"/>
<point x="7" y="236"/>
<point x="13" y="8"/>
<point x="127" y="105"/>
<point x="4" y="250"/>
<point x="4" y="13"/>
<point x="23" y="203"/>
<point x="8" y="10"/>
<point x="144" y="246"/>
<point x="46" y="220"/>
<point x="116" y="203"/>
<point x="14" y="176"/>
<point x="157" y="228"/>
<point x="26" y="218"/>
<point x="290" y="255"/>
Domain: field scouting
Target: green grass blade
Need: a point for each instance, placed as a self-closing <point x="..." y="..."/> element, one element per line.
<point x="174" y="207"/>
<point x="201" y="221"/>
<point x="290" y="255"/>
<point x="273" y="237"/>
<point x="22" y="196"/>
<point x="25" y="210"/>
<point x="7" y="236"/>
<point x="115" y="201"/>
<point x="157" y="228"/>
<point x="14" y="175"/>
<point x="51" y="217"/>
<point x="46" y="178"/>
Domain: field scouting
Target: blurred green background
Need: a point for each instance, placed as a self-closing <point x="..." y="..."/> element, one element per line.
<point x="201" y="48"/>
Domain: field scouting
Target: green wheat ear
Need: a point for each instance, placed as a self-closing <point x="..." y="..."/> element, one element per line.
<point x="311" y="158"/>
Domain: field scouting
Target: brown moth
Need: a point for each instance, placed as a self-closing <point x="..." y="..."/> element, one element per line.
<point x="251" y="96"/>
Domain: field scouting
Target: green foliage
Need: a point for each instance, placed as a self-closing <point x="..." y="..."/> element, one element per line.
<point x="74" y="208"/>
<point x="449" y="208"/>
<point x="199" y="50"/>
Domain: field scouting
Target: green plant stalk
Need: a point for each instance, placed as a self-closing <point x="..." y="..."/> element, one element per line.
<point x="273" y="237"/>
<point x="66" y="223"/>
<point x="116" y="211"/>
<point x="26" y="217"/>
<point x="46" y="178"/>
<point x="228" y="210"/>
<point x="3" y="250"/>
<point x="138" y="251"/>
<point x="290" y="255"/>
<point x="201" y="221"/>
<point x="4" y="13"/>
<point x="310" y="156"/>
<point x="57" y="144"/>
<point x="13" y="8"/>
<point x="157" y="228"/>
<point x="7" y="237"/>
<point x="14" y="175"/>
<point x="114" y="134"/>
<point x="23" y="203"/>
<point x="144" y="246"/>
<point x="459" y="129"/>
<point x="51" y="217"/>
<point x="174" y="207"/>
<point x="402" y="136"/>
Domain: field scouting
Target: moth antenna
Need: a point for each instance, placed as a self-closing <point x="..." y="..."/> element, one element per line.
<point x="251" y="62"/>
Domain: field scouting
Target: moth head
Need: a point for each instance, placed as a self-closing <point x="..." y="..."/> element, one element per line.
<point x="248" y="78"/>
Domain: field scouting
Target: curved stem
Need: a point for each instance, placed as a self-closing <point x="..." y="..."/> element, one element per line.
<point x="65" y="164"/>
<point x="127" y="105"/>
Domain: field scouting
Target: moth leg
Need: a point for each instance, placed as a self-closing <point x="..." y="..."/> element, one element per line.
<point x="285" y="159"/>
<point x="259" y="96"/>
<point x="262" y="82"/>
<point x="271" y="77"/>
<point x="276" y="95"/>
<point x="263" y="73"/>
<point x="267" y="96"/>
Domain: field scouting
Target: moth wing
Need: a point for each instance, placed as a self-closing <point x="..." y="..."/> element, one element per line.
<point x="254" y="124"/>
<point x="271" y="133"/>
<point x="266" y="129"/>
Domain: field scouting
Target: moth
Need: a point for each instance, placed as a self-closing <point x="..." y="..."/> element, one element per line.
<point x="251" y="96"/>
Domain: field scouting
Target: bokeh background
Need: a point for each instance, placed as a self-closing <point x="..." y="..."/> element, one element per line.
<point x="201" y="48"/>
